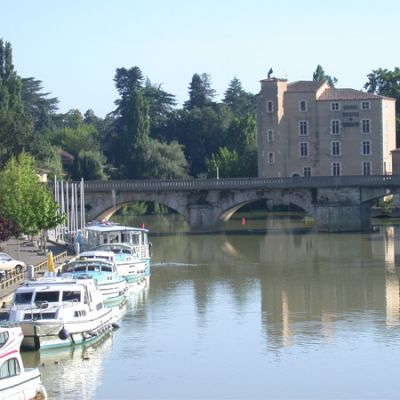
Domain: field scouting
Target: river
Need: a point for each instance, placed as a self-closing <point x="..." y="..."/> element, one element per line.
<point x="267" y="309"/>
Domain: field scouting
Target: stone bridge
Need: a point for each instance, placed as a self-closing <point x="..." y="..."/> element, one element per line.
<point x="337" y="204"/>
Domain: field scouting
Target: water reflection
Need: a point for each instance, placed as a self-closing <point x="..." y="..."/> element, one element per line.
<point x="306" y="282"/>
<point x="67" y="372"/>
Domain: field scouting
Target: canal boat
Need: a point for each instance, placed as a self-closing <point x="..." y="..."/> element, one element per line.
<point x="110" y="233"/>
<point x="98" y="265"/>
<point x="130" y="247"/>
<point x="17" y="382"/>
<point x="57" y="311"/>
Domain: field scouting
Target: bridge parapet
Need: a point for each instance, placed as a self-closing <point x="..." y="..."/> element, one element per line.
<point x="243" y="183"/>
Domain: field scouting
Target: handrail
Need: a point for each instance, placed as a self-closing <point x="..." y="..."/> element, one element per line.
<point x="15" y="278"/>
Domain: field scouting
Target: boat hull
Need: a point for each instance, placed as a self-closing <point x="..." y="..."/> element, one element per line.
<point x="45" y="334"/>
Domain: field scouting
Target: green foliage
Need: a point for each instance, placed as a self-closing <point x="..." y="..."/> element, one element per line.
<point x="201" y="131"/>
<point x="82" y="137"/>
<point x="37" y="104"/>
<point x="384" y="82"/>
<point x="16" y="128"/>
<point x="161" y="105"/>
<point x="24" y="201"/>
<point x="319" y="75"/>
<point x="89" y="164"/>
<point x="18" y="182"/>
<point x="238" y="100"/>
<point x="164" y="161"/>
<point x="200" y="92"/>
<point x="226" y="162"/>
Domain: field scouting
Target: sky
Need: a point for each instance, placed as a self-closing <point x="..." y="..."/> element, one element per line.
<point x="74" y="47"/>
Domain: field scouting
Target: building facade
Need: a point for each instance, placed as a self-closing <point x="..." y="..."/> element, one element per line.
<point x="308" y="128"/>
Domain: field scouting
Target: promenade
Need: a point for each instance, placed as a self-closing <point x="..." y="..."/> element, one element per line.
<point x="31" y="255"/>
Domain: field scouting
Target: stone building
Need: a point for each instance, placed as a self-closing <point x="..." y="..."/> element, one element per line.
<point x="308" y="128"/>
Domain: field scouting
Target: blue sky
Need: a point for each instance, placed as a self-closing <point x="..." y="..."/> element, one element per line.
<point x="74" y="47"/>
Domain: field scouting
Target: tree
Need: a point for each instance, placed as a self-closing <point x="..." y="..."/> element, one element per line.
<point x="16" y="127"/>
<point x="161" y="105"/>
<point x="37" y="104"/>
<point x="237" y="99"/>
<point x="24" y="201"/>
<point x="164" y="161"/>
<point x="89" y="164"/>
<point x="384" y="82"/>
<point x="201" y="131"/>
<point x="18" y="181"/>
<point x="47" y="212"/>
<point x="131" y="126"/>
<point x="226" y="162"/>
<point x="200" y="92"/>
<point x="319" y="75"/>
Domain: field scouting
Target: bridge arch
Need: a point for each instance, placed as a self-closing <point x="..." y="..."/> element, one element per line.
<point x="300" y="199"/>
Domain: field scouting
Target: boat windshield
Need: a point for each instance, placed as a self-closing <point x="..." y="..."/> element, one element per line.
<point x="23" y="297"/>
<point x="48" y="296"/>
<point x="87" y="267"/>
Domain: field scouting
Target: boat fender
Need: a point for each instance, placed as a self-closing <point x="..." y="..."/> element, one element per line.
<point x="63" y="334"/>
<point x="115" y="325"/>
<point x="41" y="393"/>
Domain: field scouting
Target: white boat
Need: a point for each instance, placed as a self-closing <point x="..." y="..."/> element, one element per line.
<point x="98" y="265"/>
<point x="130" y="246"/>
<point x="17" y="382"/>
<point x="56" y="311"/>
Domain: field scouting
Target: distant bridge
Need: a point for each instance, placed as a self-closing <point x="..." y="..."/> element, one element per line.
<point x="337" y="204"/>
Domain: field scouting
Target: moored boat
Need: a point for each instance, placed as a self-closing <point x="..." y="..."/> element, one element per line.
<point x="98" y="265"/>
<point x="56" y="311"/>
<point x="135" y="240"/>
<point x="17" y="382"/>
<point x="130" y="246"/>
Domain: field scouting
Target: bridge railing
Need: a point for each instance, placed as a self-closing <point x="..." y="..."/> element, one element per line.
<point x="243" y="183"/>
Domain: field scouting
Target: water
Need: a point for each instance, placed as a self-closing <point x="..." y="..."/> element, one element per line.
<point x="269" y="310"/>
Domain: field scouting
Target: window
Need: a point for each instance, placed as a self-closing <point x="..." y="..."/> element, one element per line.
<point x="303" y="128"/>
<point x="336" y="168"/>
<point x="365" y="126"/>
<point x="366" y="148"/>
<point x="271" y="158"/>
<point x="303" y="149"/>
<point x="47" y="296"/>
<point x="336" y="149"/>
<point x="366" y="168"/>
<point x="335" y="106"/>
<point x="365" y="105"/>
<point x="270" y="106"/>
<point x="9" y="368"/>
<point x="270" y="135"/>
<point x="335" y="127"/>
<point x="3" y="338"/>
<point x="23" y="297"/>
<point x="307" y="171"/>
<point x="71" y="295"/>
<point x="303" y="106"/>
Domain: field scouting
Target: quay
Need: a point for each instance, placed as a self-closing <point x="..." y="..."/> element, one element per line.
<point x="31" y="254"/>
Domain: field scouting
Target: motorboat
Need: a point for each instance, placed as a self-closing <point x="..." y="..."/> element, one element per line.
<point x="57" y="311"/>
<point x="17" y="382"/>
<point x="131" y="267"/>
<point x="100" y="266"/>
<point x="136" y="249"/>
